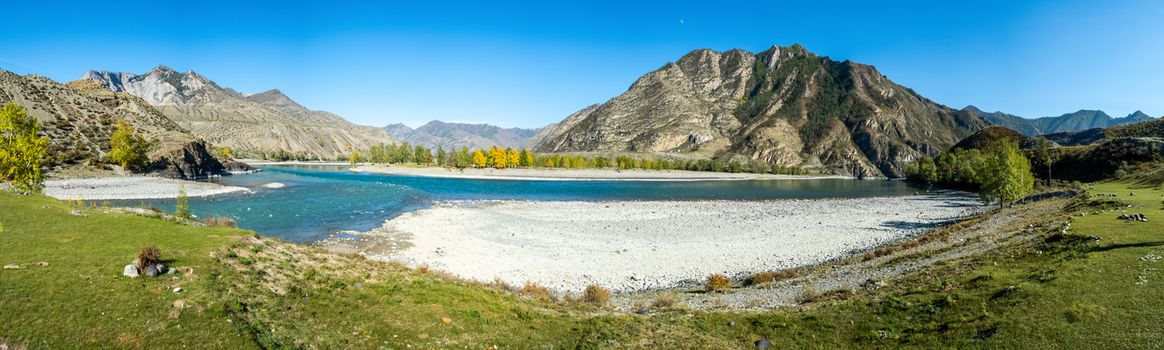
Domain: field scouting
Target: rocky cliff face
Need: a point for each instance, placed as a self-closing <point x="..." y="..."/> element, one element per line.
<point x="785" y="106"/>
<point x="79" y="118"/>
<point x="250" y="125"/>
<point x="456" y="135"/>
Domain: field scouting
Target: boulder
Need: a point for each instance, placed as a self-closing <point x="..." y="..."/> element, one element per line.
<point x="150" y="270"/>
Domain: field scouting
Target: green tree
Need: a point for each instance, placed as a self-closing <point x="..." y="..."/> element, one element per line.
<point x="22" y="149"/>
<point x="182" y="203"/>
<point x="440" y="156"/>
<point x="1009" y="176"/>
<point x="127" y="147"/>
<point x="1045" y="156"/>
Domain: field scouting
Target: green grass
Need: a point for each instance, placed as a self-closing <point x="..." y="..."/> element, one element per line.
<point x="80" y="299"/>
<point x="1051" y="291"/>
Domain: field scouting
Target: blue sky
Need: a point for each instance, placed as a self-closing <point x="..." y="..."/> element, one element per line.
<point x="528" y="64"/>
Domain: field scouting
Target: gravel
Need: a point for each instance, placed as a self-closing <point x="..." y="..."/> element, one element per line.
<point x="630" y="246"/>
<point x="131" y="187"/>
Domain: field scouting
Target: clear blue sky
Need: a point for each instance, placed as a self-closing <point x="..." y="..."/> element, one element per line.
<point x="532" y="63"/>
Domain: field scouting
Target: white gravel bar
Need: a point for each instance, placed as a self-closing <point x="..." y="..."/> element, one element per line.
<point x="132" y="187"/>
<point x="643" y="245"/>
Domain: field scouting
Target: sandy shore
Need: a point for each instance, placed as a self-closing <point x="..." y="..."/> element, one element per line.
<point x="576" y="174"/>
<point x="642" y="245"/>
<point x="131" y="187"/>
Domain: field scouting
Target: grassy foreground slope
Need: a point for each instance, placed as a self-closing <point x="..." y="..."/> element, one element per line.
<point x="1046" y="288"/>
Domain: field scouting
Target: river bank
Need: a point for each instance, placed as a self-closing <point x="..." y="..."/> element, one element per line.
<point x="131" y="187"/>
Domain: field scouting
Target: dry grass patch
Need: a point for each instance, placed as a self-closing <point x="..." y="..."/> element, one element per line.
<point x="537" y="292"/>
<point x="772" y="276"/>
<point x="596" y="295"/>
<point x="665" y="301"/>
<point x="718" y="283"/>
<point x="219" y="221"/>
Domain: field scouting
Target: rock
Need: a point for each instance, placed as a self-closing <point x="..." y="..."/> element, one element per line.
<point x="11" y="266"/>
<point x="130" y="271"/>
<point x="177" y="289"/>
<point x="763" y="344"/>
<point x="150" y="270"/>
<point x="161" y="268"/>
<point x="42" y="264"/>
<point x="731" y="323"/>
<point x="642" y="310"/>
<point x="78" y="213"/>
<point x="171" y="271"/>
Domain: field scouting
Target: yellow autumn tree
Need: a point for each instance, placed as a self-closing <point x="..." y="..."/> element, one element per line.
<point x="512" y="157"/>
<point x="22" y="150"/>
<point x="127" y="147"/>
<point x="479" y="159"/>
<point x="497" y="157"/>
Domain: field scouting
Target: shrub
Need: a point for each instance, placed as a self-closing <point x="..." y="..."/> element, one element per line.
<point x="148" y="256"/>
<point x="771" y="276"/>
<point x="718" y="283"/>
<point x="219" y="221"/>
<point x="537" y="292"/>
<point x="182" y="204"/>
<point x="596" y="295"/>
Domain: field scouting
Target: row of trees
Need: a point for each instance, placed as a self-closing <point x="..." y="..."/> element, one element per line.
<point x="999" y="172"/>
<point x="500" y="158"/>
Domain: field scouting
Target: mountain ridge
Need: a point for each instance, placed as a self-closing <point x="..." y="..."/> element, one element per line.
<point x="785" y="106"/>
<point x="252" y="125"/>
<point x="456" y="135"/>
<point x="1077" y="121"/>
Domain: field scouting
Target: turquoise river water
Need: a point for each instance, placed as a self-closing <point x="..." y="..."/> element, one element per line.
<point x="320" y="201"/>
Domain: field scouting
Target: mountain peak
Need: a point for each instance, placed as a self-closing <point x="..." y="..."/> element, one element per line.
<point x="161" y="69"/>
<point x="1138" y="115"/>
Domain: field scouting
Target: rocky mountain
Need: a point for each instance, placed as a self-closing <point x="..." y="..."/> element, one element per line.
<point x="1070" y="122"/>
<point x="79" y="118"/>
<point x="784" y="106"/>
<point x="457" y="135"/>
<point x="251" y="125"/>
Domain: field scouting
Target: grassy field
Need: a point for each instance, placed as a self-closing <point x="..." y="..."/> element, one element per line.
<point x="1048" y="288"/>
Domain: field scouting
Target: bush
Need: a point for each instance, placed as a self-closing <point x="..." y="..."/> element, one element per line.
<point x="718" y="283"/>
<point x="596" y="295"/>
<point x="537" y="292"/>
<point x="148" y="256"/>
<point x="219" y="221"/>
<point x="771" y="276"/>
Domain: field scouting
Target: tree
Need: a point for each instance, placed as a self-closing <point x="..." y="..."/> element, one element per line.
<point x="182" y="203"/>
<point x="527" y="158"/>
<point x="1009" y="176"/>
<point x="354" y="158"/>
<point x="479" y="159"/>
<point x="225" y="152"/>
<point x="127" y="147"/>
<point x="440" y="157"/>
<point x="22" y="149"/>
<point x="1045" y="156"/>
<point x="497" y="157"/>
<point x="422" y="155"/>
<point x="512" y="158"/>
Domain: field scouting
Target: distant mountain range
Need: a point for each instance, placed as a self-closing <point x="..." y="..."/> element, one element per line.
<point x="251" y="125"/>
<point x="1070" y="122"/>
<point x="457" y="135"/>
<point x="783" y="106"/>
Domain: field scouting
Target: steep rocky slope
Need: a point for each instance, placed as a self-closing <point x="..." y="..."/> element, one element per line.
<point x="785" y="106"/>
<point x="1070" y="122"/>
<point x="79" y="118"/>
<point x="250" y="125"/>
<point x="457" y="135"/>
